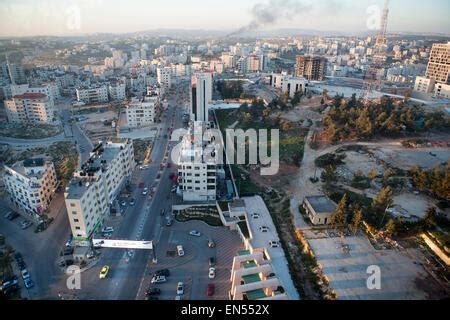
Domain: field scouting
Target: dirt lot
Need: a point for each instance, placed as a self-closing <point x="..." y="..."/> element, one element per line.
<point x="347" y="270"/>
<point x="407" y="158"/>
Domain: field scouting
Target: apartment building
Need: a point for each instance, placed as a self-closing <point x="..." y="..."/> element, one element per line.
<point x="201" y="95"/>
<point x="424" y="85"/>
<point x="312" y="68"/>
<point x="30" y="108"/>
<point x="90" y="95"/>
<point x="287" y="84"/>
<point x="94" y="188"/>
<point x="439" y="63"/>
<point x="197" y="166"/>
<point x="31" y="185"/>
<point x="117" y="90"/>
<point x="164" y="77"/>
<point x="141" y="113"/>
<point x="253" y="63"/>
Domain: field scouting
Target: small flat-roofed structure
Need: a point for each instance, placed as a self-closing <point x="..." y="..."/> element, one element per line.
<point x="319" y="209"/>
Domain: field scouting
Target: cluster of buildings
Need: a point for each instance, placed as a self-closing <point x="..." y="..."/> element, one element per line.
<point x="436" y="82"/>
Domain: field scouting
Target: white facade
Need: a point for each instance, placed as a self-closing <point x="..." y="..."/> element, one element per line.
<point x="442" y="91"/>
<point x="288" y="84"/>
<point x="164" y="76"/>
<point x="93" y="95"/>
<point x="94" y="188"/>
<point x="30" y="108"/>
<point x="424" y="85"/>
<point x="197" y="166"/>
<point x="142" y="113"/>
<point x="201" y="95"/>
<point x="31" y="185"/>
<point x="117" y="91"/>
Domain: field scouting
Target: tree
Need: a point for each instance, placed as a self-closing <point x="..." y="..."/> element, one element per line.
<point x="339" y="214"/>
<point x="381" y="202"/>
<point x="356" y="220"/>
<point x="372" y="174"/>
<point x="329" y="174"/>
<point x="429" y="220"/>
<point x="389" y="228"/>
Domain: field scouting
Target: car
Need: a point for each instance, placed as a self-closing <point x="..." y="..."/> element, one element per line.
<point x="104" y="272"/>
<point x="210" y="290"/>
<point x="274" y="244"/>
<point x="107" y="230"/>
<point x="162" y="212"/>
<point x="212" y="273"/>
<point x="263" y="229"/>
<point x="132" y="202"/>
<point x="180" y="250"/>
<point x="158" y="279"/>
<point x="180" y="288"/>
<point x="178" y="297"/>
<point x="123" y="203"/>
<point x="174" y="189"/>
<point x="144" y="167"/>
<point x="67" y="251"/>
<point x="28" y="283"/>
<point x="9" y="284"/>
<point x="141" y="185"/>
<point x="211" y="244"/>
<point x="25" y="224"/>
<point x="25" y="274"/>
<point x="195" y="233"/>
<point x="153" y="291"/>
<point x="69" y="242"/>
<point x="18" y="256"/>
<point x="162" y="272"/>
<point x="212" y="261"/>
<point x="169" y="222"/>
<point x="255" y="215"/>
<point x="145" y="191"/>
<point x="12" y="216"/>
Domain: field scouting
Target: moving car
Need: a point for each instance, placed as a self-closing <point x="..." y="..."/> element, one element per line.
<point x="107" y="230"/>
<point x="180" y="250"/>
<point x="169" y="222"/>
<point x="144" y="167"/>
<point x="132" y="202"/>
<point x="25" y="274"/>
<point x="195" y="233"/>
<point x="145" y="191"/>
<point x="180" y="288"/>
<point x="210" y="290"/>
<point x="104" y="272"/>
<point x="212" y="261"/>
<point x="212" y="273"/>
<point x="211" y="244"/>
<point x="158" y="279"/>
<point x="123" y="203"/>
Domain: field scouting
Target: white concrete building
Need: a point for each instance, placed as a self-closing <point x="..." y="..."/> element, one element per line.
<point x="287" y="83"/>
<point x="31" y="185"/>
<point x="260" y="272"/>
<point x="98" y="94"/>
<point x="164" y="77"/>
<point x="30" y="108"/>
<point x="93" y="189"/>
<point x="142" y="113"/>
<point x="442" y="91"/>
<point x="424" y="85"/>
<point x="117" y="90"/>
<point x="197" y="166"/>
<point x="200" y="95"/>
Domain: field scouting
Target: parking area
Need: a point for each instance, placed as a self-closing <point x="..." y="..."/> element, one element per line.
<point x="192" y="269"/>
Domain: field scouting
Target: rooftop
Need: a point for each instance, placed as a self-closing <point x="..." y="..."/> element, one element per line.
<point x="321" y="204"/>
<point x="30" y="95"/>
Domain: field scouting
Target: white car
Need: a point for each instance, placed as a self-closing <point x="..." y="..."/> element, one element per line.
<point x="212" y="273"/>
<point x="107" y="230"/>
<point x="25" y="274"/>
<point x="158" y="279"/>
<point x="274" y="244"/>
<point x="180" y="288"/>
<point x="145" y="191"/>
<point x="144" y="167"/>
<point x="195" y="233"/>
<point x="180" y="250"/>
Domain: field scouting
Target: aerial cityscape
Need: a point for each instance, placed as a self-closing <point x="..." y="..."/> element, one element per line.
<point x="224" y="150"/>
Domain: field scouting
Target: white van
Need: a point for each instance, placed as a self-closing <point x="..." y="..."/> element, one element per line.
<point x="180" y="250"/>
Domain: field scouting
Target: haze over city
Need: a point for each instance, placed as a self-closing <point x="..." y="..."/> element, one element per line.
<point x="51" y="17"/>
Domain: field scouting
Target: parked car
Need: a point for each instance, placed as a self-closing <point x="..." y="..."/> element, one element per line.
<point x="162" y="272"/>
<point x="210" y="290"/>
<point x="212" y="261"/>
<point x="180" y="288"/>
<point x="162" y="212"/>
<point x="132" y="202"/>
<point x="104" y="272"/>
<point x="9" y="284"/>
<point x="153" y="292"/>
<point x="178" y="297"/>
<point x="263" y="229"/>
<point x="195" y="233"/>
<point x="169" y="222"/>
<point x="28" y="283"/>
<point x="69" y="242"/>
<point x="22" y="265"/>
<point x="12" y="216"/>
<point x="145" y="191"/>
<point x="25" y="274"/>
<point x="158" y="279"/>
<point x="107" y="230"/>
<point x="123" y="203"/>
<point x="25" y="224"/>
<point x="67" y="252"/>
<point x="274" y="244"/>
<point x="211" y="244"/>
<point x="18" y="256"/>
<point x="180" y="250"/>
<point x="212" y="273"/>
<point x="144" y="167"/>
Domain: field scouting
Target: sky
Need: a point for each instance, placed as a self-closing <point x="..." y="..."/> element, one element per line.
<point x="66" y="17"/>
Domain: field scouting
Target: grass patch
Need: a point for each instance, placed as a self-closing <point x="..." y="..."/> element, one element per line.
<point x="211" y="220"/>
<point x="30" y="131"/>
